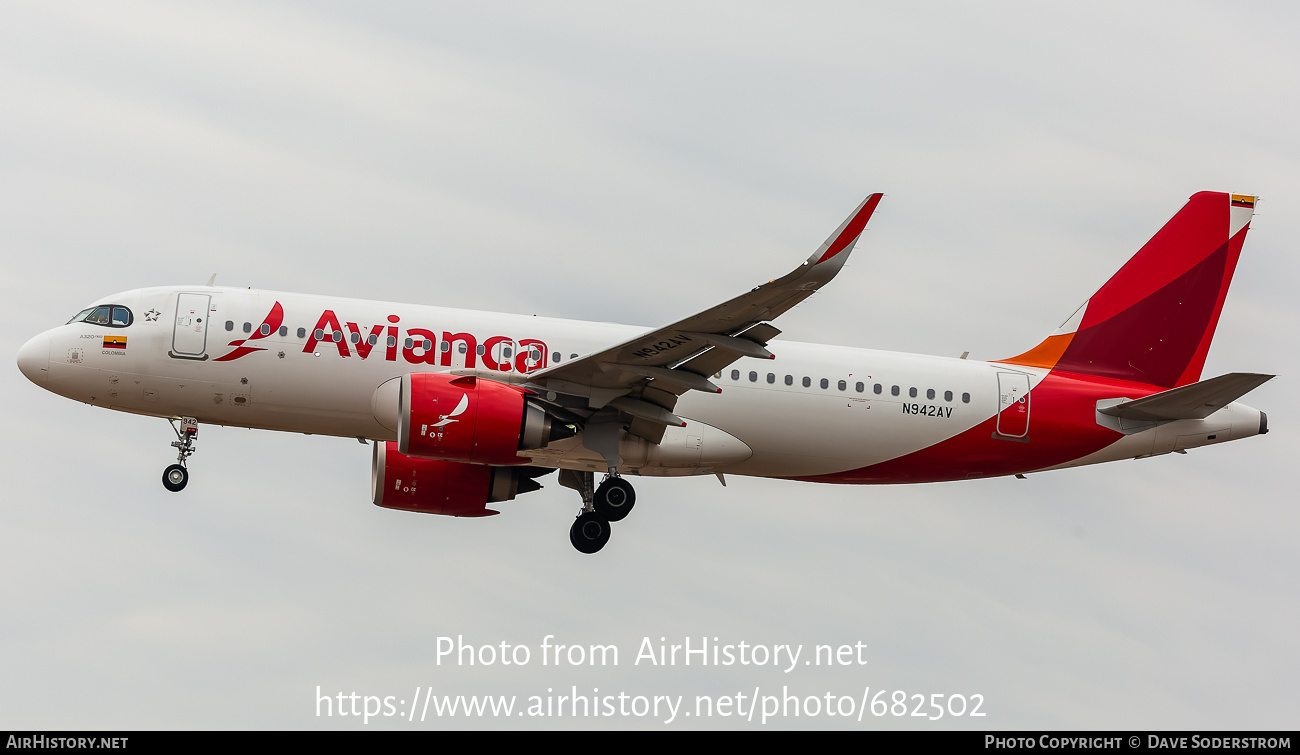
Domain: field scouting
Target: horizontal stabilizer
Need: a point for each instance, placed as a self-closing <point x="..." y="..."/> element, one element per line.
<point x="1195" y="401"/>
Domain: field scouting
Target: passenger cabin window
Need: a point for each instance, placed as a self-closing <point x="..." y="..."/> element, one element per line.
<point x="877" y="389"/>
<point x="771" y="377"/>
<point x="947" y="395"/>
<point x="248" y="327"/>
<point x="860" y="387"/>
<point x="911" y="392"/>
<point x="842" y="385"/>
<point x="265" y="330"/>
<point x="789" y="379"/>
<point x="929" y="393"/>
<point x="735" y="374"/>
<point x="230" y="324"/>
<point x="965" y="398"/>
<point x="284" y="330"/>
<point x="555" y="357"/>
<point x="825" y="383"/>
<point x="807" y="382"/>
<point x="302" y="332"/>
<point x="110" y="315"/>
<point x="753" y="376"/>
<point x="893" y="390"/>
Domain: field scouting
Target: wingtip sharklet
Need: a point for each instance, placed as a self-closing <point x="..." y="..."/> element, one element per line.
<point x="844" y="237"/>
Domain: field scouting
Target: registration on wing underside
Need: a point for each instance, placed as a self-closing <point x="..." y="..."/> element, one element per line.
<point x="665" y="344"/>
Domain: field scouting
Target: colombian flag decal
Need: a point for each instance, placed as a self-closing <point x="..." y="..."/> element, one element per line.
<point x="115" y="342"/>
<point x="1239" y="200"/>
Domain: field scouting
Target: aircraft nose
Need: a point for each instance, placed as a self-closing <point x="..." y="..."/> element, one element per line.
<point x="34" y="359"/>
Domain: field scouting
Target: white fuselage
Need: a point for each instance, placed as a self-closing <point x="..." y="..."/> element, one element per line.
<point x="812" y="411"/>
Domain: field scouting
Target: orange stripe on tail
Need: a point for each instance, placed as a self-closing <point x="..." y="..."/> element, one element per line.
<point x="1045" y="354"/>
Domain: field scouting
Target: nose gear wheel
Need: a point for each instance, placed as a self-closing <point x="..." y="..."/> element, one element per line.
<point x="175" y="477"/>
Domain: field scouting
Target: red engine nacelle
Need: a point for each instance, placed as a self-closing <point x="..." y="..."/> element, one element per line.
<point x="466" y="419"/>
<point x="434" y="486"/>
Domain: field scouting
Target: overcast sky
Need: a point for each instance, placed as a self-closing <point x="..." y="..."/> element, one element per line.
<point x="637" y="164"/>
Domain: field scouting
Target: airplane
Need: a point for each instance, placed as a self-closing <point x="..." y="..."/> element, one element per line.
<point x="466" y="409"/>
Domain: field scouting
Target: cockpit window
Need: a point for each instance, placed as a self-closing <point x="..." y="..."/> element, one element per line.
<point x="114" y="316"/>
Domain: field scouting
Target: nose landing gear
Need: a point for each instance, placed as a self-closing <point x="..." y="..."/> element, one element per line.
<point x="176" y="476"/>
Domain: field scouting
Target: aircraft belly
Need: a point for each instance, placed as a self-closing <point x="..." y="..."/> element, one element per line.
<point x="697" y="448"/>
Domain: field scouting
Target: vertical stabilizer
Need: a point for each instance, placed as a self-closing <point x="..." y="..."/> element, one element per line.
<point x="1154" y="319"/>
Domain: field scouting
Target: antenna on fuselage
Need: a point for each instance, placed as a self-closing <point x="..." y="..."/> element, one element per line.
<point x="211" y="280"/>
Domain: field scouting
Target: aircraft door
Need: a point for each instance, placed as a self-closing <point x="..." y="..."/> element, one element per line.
<point x="1013" y="404"/>
<point x="190" y="332"/>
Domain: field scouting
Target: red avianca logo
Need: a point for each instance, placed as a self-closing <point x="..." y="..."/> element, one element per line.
<point x="272" y="323"/>
<point x="530" y="354"/>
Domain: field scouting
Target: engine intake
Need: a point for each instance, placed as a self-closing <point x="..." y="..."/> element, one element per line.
<point x="467" y="419"/>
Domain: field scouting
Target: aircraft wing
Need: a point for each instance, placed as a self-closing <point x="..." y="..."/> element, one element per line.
<point x="643" y="376"/>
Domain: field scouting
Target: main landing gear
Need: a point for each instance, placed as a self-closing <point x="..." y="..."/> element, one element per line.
<point x="610" y="502"/>
<point x="176" y="476"/>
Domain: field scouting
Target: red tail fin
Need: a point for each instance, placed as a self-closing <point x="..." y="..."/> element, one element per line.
<point x="1153" y="320"/>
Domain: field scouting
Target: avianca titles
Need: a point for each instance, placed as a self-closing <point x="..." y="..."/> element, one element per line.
<point x="467" y="409"/>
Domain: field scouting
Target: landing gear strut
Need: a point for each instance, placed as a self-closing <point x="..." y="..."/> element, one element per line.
<point x="611" y="502"/>
<point x="176" y="476"/>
